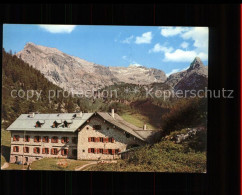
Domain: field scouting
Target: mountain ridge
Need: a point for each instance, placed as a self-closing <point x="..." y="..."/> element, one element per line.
<point x="73" y="73"/>
<point x="76" y="75"/>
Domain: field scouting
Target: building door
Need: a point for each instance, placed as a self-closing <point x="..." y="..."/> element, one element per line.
<point x="16" y="159"/>
<point x="26" y="159"/>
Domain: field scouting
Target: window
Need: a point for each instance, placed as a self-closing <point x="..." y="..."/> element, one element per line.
<point x="117" y="151"/>
<point x="127" y="135"/>
<point x="55" y="124"/>
<point x="16" y="149"/>
<point x="36" y="150"/>
<point x="16" y="159"/>
<point x="111" y="139"/>
<point x="91" y="150"/>
<point x="109" y="151"/>
<point x="74" y="152"/>
<point x="91" y="139"/>
<point x="54" y="151"/>
<point x="26" y="138"/>
<point x="83" y="150"/>
<point x="45" y="139"/>
<point x="26" y="149"/>
<point x="101" y="139"/>
<point x="100" y="150"/>
<point x="64" y="152"/>
<point x="96" y="127"/>
<point x="54" y="139"/>
<point x="45" y="150"/>
<point x="67" y="123"/>
<point x="74" y="140"/>
<point x="16" y="138"/>
<point x="38" y="124"/>
<point x="37" y="138"/>
<point x="64" y="139"/>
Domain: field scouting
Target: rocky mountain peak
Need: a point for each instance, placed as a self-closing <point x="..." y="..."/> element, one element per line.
<point x="73" y="73"/>
<point x="196" y="64"/>
<point x="195" y="77"/>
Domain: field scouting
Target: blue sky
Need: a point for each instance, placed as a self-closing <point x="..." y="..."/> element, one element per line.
<point x="170" y="49"/>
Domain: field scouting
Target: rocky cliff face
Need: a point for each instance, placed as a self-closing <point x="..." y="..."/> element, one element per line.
<point x="75" y="74"/>
<point x="195" y="77"/>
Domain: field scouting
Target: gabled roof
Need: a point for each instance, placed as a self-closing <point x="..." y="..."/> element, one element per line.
<point x="24" y="122"/>
<point x="27" y="123"/>
<point x="120" y="123"/>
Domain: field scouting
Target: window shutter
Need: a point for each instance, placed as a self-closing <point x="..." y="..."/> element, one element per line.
<point x="95" y="139"/>
<point x="44" y="139"/>
<point x="67" y="140"/>
<point x="28" y="138"/>
<point x="34" y="150"/>
<point x="89" y="150"/>
<point x="113" y="151"/>
<point x="112" y="140"/>
<point x="35" y="139"/>
<point x="43" y="150"/>
<point x="62" y="152"/>
<point x="52" y="140"/>
<point x="39" y="139"/>
<point x="107" y="139"/>
<point x="47" y="150"/>
<point x="95" y="150"/>
<point x="98" y="139"/>
<point x="67" y="151"/>
<point x="62" y="140"/>
<point x="14" y="148"/>
<point x="14" y="138"/>
<point x="52" y="150"/>
<point x="57" y="140"/>
<point x="89" y="139"/>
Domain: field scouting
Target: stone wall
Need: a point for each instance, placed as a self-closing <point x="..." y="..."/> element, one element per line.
<point x="121" y="141"/>
<point x="31" y="144"/>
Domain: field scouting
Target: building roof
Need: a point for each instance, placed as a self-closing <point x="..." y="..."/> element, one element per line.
<point x="27" y="123"/>
<point x="120" y="123"/>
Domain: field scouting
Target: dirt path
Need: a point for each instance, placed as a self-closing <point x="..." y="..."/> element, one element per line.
<point x="5" y="165"/>
<point x="83" y="166"/>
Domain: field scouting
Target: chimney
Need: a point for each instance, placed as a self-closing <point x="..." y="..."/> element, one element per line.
<point x="144" y="127"/>
<point x="112" y="112"/>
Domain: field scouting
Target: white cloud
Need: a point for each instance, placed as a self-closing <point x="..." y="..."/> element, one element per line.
<point x="124" y="57"/>
<point x="185" y="68"/>
<point x="176" y="70"/>
<point x="128" y="40"/>
<point x="184" y="45"/>
<point x="200" y="37"/>
<point x="184" y="56"/>
<point x="58" y="28"/>
<point x="172" y="71"/>
<point x="172" y="31"/>
<point x="160" y="48"/>
<point x="144" y="38"/>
